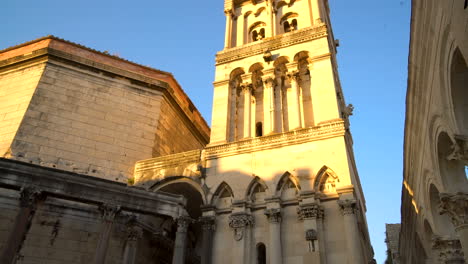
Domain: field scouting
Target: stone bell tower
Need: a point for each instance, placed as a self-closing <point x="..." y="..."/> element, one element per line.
<point x="280" y="177"/>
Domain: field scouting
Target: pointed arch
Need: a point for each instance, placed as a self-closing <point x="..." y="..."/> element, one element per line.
<point x="285" y="179"/>
<point x="223" y="197"/>
<point x="325" y="181"/>
<point x="255" y="185"/>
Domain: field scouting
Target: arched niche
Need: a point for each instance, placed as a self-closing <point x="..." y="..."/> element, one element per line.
<point x="288" y="187"/>
<point x="288" y="22"/>
<point x="257" y="31"/>
<point x="442" y="224"/>
<point x="261" y="253"/>
<point x="459" y="90"/>
<point x="257" y="191"/>
<point x="223" y="196"/>
<point x="326" y="181"/>
<point x="451" y="169"/>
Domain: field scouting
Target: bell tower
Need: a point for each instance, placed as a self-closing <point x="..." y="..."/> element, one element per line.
<point x="279" y="172"/>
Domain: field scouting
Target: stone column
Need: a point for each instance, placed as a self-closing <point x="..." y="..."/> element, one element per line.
<point x="353" y="239"/>
<point x="272" y="17"/>
<point x="108" y="213"/>
<point x="316" y="12"/>
<point x="29" y="199"/>
<point x="247" y="90"/>
<point x="312" y="215"/>
<point x="227" y="39"/>
<point x="268" y="105"/>
<point x="274" y="250"/>
<point x="294" y="111"/>
<point x="450" y="250"/>
<point x="241" y="223"/>
<point x="456" y="206"/>
<point x="180" y="245"/>
<point x="208" y="226"/>
<point x="134" y="233"/>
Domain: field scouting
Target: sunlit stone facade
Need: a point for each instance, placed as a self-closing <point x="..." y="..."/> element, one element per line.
<point x="278" y="182"/>
<point x="434" y="206"/>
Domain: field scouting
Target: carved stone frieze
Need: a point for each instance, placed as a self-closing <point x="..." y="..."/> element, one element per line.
<point x="330" y="129"/>
<point x="284" y="40"/>
<point x="273" y="215"/>
<point x="348" y="206"/>
<point x="109" y="211"/>
<point x="455" y="206"/>
<point x="208" y="222"/>
<point x="241" y="220"/>
<point x="450" y="250"/>
<point x="29" y="197"/>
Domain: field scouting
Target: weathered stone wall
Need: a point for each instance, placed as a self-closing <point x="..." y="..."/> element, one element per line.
<point x="172" y="135"/>
<point x="16" y="90"/>
<point x="97" y="125"/>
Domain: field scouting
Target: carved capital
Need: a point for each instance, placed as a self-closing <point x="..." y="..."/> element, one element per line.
<point x="450" y="250"/>
<point x="273" y="215"/>
<point x="207" y="222"/>
<point x="241" y="220"/>
<point x="455" y="206"/>
<point x="29" y="196"/>
<point x="310" y="211"/>
<point x="229" y="12"/>
<point x="347" y="206"/>
<point x="183" y="223"/>
<point x="109" y="211"/>
<point x="293" y="76"/>
<point x="134" y="233"/>
<point x="269" y="81"/>
<point x="459" y="150"/>
<point x="246" y="87"/>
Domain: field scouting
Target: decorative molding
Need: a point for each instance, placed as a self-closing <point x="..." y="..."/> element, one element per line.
<point x="310" y="211"/>
<point x="273" y="215"/>
<point x="456" y="206"/>
<point x="459" y="149"/>
<point x="29" y="196"/>
<point x="274" y="43"/>
<point x="241" y="220"/>
<point x="134" y="233"/>
<point x="450" y="250"/>
<point x="348" y="207"/>
<point x="311" y="235"/>
<point x="329" y="129"/>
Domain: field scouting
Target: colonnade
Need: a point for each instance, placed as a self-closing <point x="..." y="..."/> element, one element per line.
<point x="278" y="99"/>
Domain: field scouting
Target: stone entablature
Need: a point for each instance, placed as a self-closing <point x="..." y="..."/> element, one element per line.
<point x="334" y="128"/>
<point x="273" y="43"/>
<point x="192" y="156"/>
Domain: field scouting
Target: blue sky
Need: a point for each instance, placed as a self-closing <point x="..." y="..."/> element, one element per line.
<point x="182" y="37"/>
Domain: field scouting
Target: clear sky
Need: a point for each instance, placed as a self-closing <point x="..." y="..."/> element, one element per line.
<point x="182" y="37"/>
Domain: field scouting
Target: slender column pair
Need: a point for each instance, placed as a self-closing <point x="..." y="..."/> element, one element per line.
<point x="29" y="200"/>
<point x="227" y="41"/>
<point x="294" y="110"/>
<point x="247" y="90"/>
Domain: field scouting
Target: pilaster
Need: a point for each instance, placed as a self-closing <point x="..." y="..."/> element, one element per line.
<point x="274" y="220"/>
<point x="456" y="207"/>
<point x="242" y="224"/>
<point x="108" y="214"/>
<point x="349" y="208"/>
<point x="180" y="245"/>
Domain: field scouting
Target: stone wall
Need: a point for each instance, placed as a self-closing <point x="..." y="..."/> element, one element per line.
<point x="16" y="90"/>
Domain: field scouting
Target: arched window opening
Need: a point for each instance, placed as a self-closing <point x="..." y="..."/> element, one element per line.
<point x="258" y="129"/>
<point x="286" y="27"/>
<point x="262" y="33"/>
<point x="258" y="35"/>
<point x="254" y="35"/>
<point x="261" y="253"/>
<point x="458" y="81"/>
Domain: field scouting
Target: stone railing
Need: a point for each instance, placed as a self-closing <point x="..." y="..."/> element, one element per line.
<point x="273" y="43"/>
<point x="326" y="130"/>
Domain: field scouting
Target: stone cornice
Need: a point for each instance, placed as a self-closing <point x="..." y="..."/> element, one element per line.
<point x="334" y="128"/>
<point x="168" y="161"/>
<point x="274" y="43"/>
<point x="89" y="190"/>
